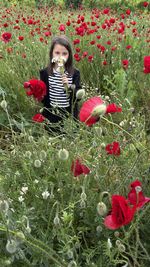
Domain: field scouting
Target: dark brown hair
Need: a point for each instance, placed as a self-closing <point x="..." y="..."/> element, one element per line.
<point x="62" y="40"/>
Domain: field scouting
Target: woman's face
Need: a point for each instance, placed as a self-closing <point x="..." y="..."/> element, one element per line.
<point x="60" y="50"/>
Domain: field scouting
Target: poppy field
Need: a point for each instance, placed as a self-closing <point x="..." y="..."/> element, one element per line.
<point x="80" y="198"/>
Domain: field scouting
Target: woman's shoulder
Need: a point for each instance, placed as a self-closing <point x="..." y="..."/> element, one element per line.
<point x="43" y="70"/>
<point x="76" y="71"/>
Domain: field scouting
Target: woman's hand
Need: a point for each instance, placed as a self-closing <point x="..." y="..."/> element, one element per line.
<point x="65" y="79"/>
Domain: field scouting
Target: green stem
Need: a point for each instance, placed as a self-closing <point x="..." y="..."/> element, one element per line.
<point x="113" y="123"/>
<point x="48" y="254"/>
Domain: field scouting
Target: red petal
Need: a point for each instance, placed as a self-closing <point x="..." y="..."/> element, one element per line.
<point x="26" y="84"/>
<point x="38" y="117"/>
<point x="109" y="223"/>
<point x="85" y="169"/>
<point x="136" y="183"/>
<point x="76" y="168"/>
<point x="87" y="108"/>
<point x="28" y="93"/>
<point x="112" y="108"/>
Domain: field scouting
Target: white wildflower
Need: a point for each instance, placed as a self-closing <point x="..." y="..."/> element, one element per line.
<point x="24" y="190"/>
<point x="21" y="199"/>
<point x="121" y="123"/>
<point x="109" y="244"/>
<point x="45" y="194"/>
<point x="36" y="181"/>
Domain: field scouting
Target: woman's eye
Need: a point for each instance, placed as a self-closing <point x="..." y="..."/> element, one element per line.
<point x="57" y="53"/>
<point x="64" y="53"/>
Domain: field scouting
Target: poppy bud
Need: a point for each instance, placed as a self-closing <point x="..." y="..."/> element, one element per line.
<point x="56" y="220"/>
<point x="3" y="104"/>
<point x="99" y="110"/>
<point x="43" y="155"/>
<point x="138" y="189"/>
<point x="11" y="246"/>
<point x="4" y="206"/>
<point x="101" y="208"/>
<point x="80" y="94"/>
<point x="121" y="248"/>
<point x="63" y="154"/>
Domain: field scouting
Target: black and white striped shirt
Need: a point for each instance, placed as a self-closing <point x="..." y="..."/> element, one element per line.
<point x="57" y="95"/>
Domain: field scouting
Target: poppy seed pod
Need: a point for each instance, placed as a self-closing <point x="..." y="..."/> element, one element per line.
<point x="63" y="154"/>
<point x="80" y="94"/>
<point x="37" y="163"/>
<point x="99" y="110"/>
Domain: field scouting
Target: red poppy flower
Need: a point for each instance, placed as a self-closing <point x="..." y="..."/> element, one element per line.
<point x="145" y="4"/>
<point x="77" y="57"/>
<point x="92" y="42"/>
<point x="20" y="38"/>
<point x="113" y="149"/>
<point x="90" y="58"/>
<point x="128" y="11"/>
<point x="76" y="41"/>
<point x="5" y="25"/>
<point x="68" y="23"/>
<point x="98" y="36"/>
<point x="125" y="63"/>
<point x="85" y="54"/>
<point x="38" y="117"/>
<point x="62" y="27"/>
<point x="136" y="196"/>
<point x="112" y="20"/>
<point x="6" y="36"/>
<point x="30" y="21"/>
<point x="121" y="213"/>
<point x="37" y="88"/>
<point x="128" y="47"/>
<point x="104" y="62"/>
<point x="106" y="11"/>
<point x="147" y="64"/>
<point x="78" y="168"/>
<point x="47" y="34"/>
<point x="94" y="107"/>
<point x="78" y="49"/>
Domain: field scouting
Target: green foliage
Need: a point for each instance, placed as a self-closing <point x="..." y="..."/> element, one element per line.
<point x="51" y="216"/>
<point x="75" y="3"/>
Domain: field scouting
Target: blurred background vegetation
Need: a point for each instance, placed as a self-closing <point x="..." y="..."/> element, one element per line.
<point x="116" y="4"/>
